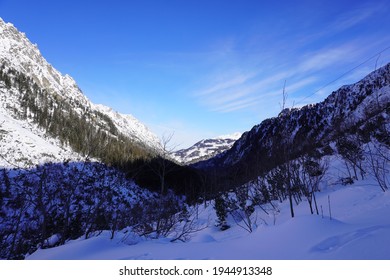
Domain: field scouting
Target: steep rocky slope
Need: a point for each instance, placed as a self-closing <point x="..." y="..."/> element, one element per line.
<point x="34" y="93"/>
<point x="361" y="109"/>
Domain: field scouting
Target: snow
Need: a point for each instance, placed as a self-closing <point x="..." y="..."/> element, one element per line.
<point x="206" y="148"/>
<point x="358" y="229"/>
<point x="131" y="127"/>
<point x="233" y="136"/>
<point x="23" y="145"/>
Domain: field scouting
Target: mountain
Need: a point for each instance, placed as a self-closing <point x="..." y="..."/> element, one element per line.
<point x="68" y="167"/>
<point x="60" y="183"/>
<point x="350" y="116"/>
<point x="23" y="144"/>
<point x="51" y="105"/>
<point x="205" y="149"/>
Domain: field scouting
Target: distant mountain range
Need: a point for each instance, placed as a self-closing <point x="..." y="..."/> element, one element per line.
<point x="205" y="149"/>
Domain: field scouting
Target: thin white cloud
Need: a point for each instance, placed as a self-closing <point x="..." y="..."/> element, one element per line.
<point x="226" y="84"/>
<point x="344" y="22"/>
<point x="300" y="84"/>
<point x="245" y="91"/>
<point x="305" y="68"/>
<point x="354" y="17"/>
<point x="238" y="104"/>
<point x="238" y="96"/>
<point x="327" y="57"/>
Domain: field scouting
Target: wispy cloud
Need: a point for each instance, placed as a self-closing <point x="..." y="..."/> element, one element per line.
<point x="238" y="93"/>
<point x="226" y="84"/>
<point x="354" y="17"/>
<point x="238" y="104"/>
<point x="300" y="84"/>
<point x="240" y="90"/>
<point x="308" y="62"/>
<point x="325" y="58"/>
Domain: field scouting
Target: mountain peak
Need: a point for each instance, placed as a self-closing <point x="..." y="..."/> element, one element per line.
<point x="29" y="76"/>
<point x="206" y="148"/>
<point x="234" y="136"/>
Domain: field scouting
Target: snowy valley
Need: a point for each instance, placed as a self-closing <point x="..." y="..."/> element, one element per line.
<point x="358" y="230"/>
<point x="81" y="181"/>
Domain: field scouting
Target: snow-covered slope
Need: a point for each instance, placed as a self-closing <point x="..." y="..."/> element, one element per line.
<point x="205" y="149"/>
<point x="18" y="56"/>
<point x="355" y="226"/>
<point x="22" y="144"/>
<point x="131" y="127"/>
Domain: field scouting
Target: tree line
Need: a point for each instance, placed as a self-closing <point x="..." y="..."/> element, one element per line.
<point x="88" y="132"/>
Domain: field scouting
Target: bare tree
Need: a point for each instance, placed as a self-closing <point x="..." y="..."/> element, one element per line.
<point x="162" y="165"/>
<point x="311" y="173"/>
<point x="158" y="215"/>
<point x="242" y="209"/>
<point x="286" y="166"/>
<point x="188" y="224"/>
<point x="350" y="149"/>
<point x="378" y="161"/>
<point x="284" y="98"/>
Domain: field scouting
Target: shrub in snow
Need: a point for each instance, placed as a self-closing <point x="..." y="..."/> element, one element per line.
<point x="221" y="209"/>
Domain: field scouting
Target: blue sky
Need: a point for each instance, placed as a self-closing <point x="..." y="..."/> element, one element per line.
<point x="206" y="68"/>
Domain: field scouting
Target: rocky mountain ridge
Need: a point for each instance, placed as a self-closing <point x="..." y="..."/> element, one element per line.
<point x="205" y="149"/>
<point x="31" y="88"/>
<point x="360" y="110"/>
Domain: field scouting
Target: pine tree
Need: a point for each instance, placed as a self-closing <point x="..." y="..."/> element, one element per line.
<point x="221" y="210"/>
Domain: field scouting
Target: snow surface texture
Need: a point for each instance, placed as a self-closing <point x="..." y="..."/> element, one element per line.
<point x="205" y="149"/>
<point x="22" y="144"/>
<point x="355" y="226"/>
<point x="18" y="53"/>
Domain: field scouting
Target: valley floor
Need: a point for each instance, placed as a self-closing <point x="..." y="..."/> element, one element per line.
<point x="359" y="229"/>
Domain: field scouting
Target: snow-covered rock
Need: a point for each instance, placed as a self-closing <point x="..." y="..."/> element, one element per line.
<point x="205" y="149"/>
<point x="23" y="144"/>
